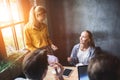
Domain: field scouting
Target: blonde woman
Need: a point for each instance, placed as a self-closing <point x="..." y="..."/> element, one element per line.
<point x="36" y="33"/>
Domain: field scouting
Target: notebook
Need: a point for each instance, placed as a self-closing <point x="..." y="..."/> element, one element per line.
<point x="82" y="72"/>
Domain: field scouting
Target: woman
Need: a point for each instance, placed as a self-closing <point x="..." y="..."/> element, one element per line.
<point x="83" y="51"/>
<point x="36" y="32"/>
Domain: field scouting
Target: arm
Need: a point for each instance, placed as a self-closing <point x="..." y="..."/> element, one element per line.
<point x="73" y="57"/>
<point x="48" y="37"/>
<point x="54" y="47"/>
<point x="50" y="42"/>
<point x="58" y="75"/>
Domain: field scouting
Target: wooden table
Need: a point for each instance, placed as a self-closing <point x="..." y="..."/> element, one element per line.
<point x="73" y="76"/>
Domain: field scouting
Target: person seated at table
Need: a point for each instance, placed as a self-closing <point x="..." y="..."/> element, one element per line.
<point x="35" y="66"/>
<point x="84" y="50"/>
<point x="104" y="67"/>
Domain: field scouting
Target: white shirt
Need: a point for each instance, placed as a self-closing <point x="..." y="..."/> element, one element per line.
<point x="83" y="55"/>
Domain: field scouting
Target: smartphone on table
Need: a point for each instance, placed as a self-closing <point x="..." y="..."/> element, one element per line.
<point x="67" y="72"/>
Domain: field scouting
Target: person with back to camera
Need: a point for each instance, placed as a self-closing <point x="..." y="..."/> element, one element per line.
<point x="104" y="67"/>
<point x="35" y="66"/>
<point x="36" y="32"/>
<point x="84" y="50"/>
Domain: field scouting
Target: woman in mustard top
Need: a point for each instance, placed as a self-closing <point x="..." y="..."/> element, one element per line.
<point x="36" y="32"/>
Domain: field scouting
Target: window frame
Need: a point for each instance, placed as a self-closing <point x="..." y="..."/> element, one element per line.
<point x="12" y="24"/>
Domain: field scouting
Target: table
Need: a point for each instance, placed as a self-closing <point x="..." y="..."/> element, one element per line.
<point x="73" y="76"/>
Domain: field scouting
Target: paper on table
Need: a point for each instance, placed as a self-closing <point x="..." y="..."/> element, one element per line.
<point x="79" y="64"/>
<point x="52" y="59"/>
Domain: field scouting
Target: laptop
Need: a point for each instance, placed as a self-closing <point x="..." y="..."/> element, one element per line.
<point x="82" y="72"/>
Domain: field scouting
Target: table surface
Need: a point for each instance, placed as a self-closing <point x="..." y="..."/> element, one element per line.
<point x="73" y="75"/>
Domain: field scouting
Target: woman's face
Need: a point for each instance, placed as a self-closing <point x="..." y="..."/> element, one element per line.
<point x="84" y="38"/>
<point x="40" y="16"/>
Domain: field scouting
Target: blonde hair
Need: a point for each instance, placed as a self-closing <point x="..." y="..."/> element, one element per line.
<point x="32" y="18"/>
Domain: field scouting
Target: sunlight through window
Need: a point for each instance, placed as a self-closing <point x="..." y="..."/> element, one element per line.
<point x="4" y="16"/>
<point x="11" y="21"/>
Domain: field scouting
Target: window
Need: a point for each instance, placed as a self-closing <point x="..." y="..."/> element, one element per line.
<point x="11" y="23"/>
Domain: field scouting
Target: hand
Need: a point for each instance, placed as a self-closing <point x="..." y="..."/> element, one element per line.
<point x="59" y="71"/>
<point x="69" y="59"/>
<point x="54" y="47"/>
<point x="52" y="60"/>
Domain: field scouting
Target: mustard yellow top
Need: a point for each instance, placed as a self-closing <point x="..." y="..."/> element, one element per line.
<point x="36" y="38"/>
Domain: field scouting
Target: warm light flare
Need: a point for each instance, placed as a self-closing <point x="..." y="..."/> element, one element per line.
<point x="10" y="24"/>
<point x="4" y="14"/>
<point x="8" y="13"/>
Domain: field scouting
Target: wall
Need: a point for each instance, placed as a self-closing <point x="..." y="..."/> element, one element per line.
<point x="68" y="18"/>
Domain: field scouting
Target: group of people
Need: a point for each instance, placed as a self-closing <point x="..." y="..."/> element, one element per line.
<point x="38" y="42"/>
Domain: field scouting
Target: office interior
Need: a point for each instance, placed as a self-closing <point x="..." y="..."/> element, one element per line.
<point x="66" y="19"/>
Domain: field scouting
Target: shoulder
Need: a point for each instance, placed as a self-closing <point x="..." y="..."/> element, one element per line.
<point x="76" y="46"/>
<point x="98" y="50"/>
<point x="28" y="26"/>
<point x="92" y="48"/>
<point x="95" y="48"/>
<point x="44" y="26"/>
